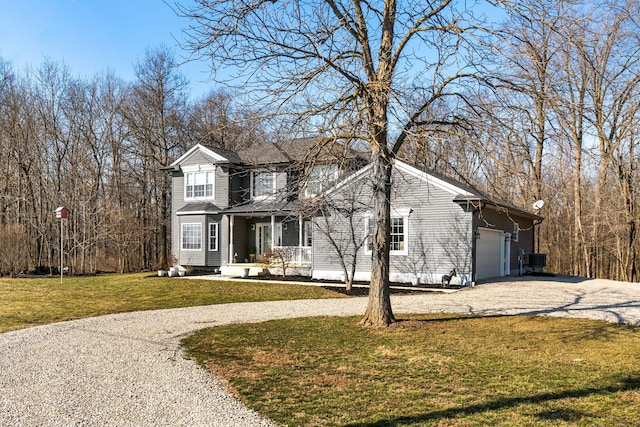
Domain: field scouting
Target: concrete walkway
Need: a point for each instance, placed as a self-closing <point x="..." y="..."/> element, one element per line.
<point x="127" y="369"/>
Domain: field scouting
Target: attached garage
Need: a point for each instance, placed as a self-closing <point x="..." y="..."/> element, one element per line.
<point x="489" y="253"/>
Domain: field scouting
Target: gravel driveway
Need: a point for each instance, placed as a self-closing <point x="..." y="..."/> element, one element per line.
<point x="127" y="369"/>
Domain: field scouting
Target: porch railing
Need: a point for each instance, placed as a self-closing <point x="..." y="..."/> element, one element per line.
<point x="297" y="254"/>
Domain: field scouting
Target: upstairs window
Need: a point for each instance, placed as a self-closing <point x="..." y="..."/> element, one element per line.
<point x="263" y="184"/>
<point x="199" y="184"/>
<point x="320" y="178"/>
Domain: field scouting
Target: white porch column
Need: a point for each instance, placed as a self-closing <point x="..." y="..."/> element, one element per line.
<point x="300" y="238"/>
<point x="231" y="221"/>
<point x="273" y="231"/>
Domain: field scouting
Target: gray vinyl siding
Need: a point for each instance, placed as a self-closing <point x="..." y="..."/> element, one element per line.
<point x="281" y="182"/>
<point x="239" y="182"/>
<point x="241" y="237"/>
<point x="439" y="232"/>
<point x="291" y="235"/>
<point x="223" y="244"/>
<point x="221" y="184"/>
<point x="192" y="257"/>
<point x="499" y="220"/>
<point x="203" y="258"/>
<point x="214" y="258"/>
<point x="177" y="201"/>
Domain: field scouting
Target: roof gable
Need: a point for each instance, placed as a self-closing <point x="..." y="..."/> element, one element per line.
<point x="218" y="158"/>
<point x="448" y="185"/>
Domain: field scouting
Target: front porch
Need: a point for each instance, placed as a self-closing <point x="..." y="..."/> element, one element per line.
<point x="263" y="243"/>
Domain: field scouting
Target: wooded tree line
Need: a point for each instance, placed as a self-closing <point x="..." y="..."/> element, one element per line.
<point x="554" y="119"/>
<point x="559" y="123"/>
<point x="96" y="146"/>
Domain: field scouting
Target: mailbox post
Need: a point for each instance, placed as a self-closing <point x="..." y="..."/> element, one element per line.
<point x="62" y="213"/>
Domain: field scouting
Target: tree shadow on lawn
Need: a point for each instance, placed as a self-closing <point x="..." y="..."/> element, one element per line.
<point x="626" y="384"/>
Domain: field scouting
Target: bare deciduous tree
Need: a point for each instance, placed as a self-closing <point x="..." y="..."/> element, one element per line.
<point x="327" y="62"/>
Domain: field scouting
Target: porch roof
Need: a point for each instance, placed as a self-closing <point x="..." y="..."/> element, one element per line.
<point x="264" y="207"/>
<point x="199" y="208"/>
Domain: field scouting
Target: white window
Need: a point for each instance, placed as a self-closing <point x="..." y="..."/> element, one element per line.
<point x="191" y="237"/>
<point x="199" y="184"/>
<point x="399" y="235"/>
<point x="263" y="184"/>
<point x="320" y="178"/>
<point x="213" y="236"/>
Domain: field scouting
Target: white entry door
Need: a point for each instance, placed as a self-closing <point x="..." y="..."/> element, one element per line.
<point x="263" y="238"/>
<point x="489" y="254"/>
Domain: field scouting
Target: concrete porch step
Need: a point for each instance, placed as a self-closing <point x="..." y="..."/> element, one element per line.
<point x="243" y="269"/>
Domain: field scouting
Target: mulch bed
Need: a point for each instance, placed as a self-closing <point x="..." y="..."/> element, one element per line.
<point x="395" y="288"/>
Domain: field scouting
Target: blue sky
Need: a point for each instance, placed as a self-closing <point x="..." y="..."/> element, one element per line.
<point x="92" y="36"/>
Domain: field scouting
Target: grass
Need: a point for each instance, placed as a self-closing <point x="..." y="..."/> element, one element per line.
<point x="436" y="370"/>
<point x="37" y="301"/>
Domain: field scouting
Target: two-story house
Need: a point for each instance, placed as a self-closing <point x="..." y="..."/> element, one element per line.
<point x="238" y="207"/>
<point x="232" y="208"/>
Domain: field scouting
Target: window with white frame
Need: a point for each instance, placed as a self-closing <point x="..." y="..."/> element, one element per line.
<point x="191" y="237"/>
<point x="213" y="236"/>
<point x="263" y="184"/>
<point x="199" y="184"/>
<point x="399" y="232"/>
<point x="321" y="177"/>
<point x="398" y="235"/>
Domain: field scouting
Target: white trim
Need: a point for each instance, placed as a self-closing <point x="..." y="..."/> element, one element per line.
<point x="197" y="213"/>
<point x="217" y="239"/>
<point x="404" y="212"/>
<point x="403" y="167"/>
<point x="199" y="168"/>
<point x="217" y="157"/>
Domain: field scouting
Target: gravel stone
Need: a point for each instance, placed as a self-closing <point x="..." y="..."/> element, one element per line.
<point x="128" y="369"/>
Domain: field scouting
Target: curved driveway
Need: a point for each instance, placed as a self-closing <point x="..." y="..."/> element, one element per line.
<point x="127" y="369"/>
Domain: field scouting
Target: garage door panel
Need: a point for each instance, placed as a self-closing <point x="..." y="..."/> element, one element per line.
<point x="489" y="253"/>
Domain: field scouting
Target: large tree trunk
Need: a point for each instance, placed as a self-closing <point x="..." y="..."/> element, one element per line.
<point x="379" y="311"/>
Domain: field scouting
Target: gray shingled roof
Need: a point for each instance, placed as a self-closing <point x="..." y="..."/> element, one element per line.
<point x="199" y="207"/>
<point x="266" y="206"/>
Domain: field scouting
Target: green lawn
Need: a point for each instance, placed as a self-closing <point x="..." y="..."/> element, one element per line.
<point x="30" y="302"/>
<point x="436" y="370"/>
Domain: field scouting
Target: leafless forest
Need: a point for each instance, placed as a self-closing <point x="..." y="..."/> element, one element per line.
<point x="554" y="118"/>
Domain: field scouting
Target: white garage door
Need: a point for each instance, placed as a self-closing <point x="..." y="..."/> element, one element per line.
<point x="489" y="254"/>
